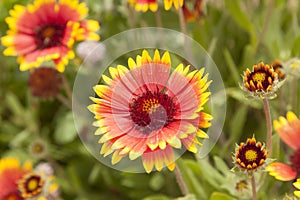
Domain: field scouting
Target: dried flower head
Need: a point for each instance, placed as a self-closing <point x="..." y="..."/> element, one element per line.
<point x="38" y="148"/>
<point x="261" y="81"/>
<point x="250" y="156"/>
<point x="45" y="82"/>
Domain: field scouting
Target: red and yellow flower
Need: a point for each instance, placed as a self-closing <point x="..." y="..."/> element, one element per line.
<point x="46" y="30"/>
<point x="11" y="172"/>
<point x="22" y="182"/>
<point x="146" y="111"/>
<point x="289" y="131"/>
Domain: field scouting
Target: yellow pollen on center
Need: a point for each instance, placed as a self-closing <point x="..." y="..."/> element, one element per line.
<point x="48" y="32"/>
<point x="251" y="155"/>
<point x="32" y="184"/>
<point x="38" y="148"/>
<point x="259" y="77"/>
<point x="150" y="105"/>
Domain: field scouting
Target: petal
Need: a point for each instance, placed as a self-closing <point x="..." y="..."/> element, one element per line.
<point x="281" y="171"/>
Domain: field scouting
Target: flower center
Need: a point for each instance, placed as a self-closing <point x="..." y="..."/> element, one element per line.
<point x="259" y="77"/>
<point x="295" y="161"/>
<point x="152" y="111"/>
<point x="31" y="185"/>
<point x="251" y="155"/>
<point x="49" y="35"/>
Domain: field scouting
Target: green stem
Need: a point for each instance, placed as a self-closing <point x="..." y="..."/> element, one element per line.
<point x="269" y="125"/>
<point x="180" y="181"/>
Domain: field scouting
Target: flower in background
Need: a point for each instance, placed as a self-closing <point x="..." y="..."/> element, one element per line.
<point x="261" y="81"/>
<point x="196" y="12"/>
<point x="45" y="82"/>
<point x="292" y="68"/>
<point x="144" y="5"/>
<point x="289" y="131"/>
<point x="277" y="67"/>
<point x="22" y="182"/>
<point x="251" y="156"/>
<point x="297" y="185"/>
<point x="146" y="112"/>
<point x="91" y="51"/>
<point x="38" y="149"/>
<point x="177" y="3"/>
<point x="11" y="172"/>
<point x="46" y="30"/>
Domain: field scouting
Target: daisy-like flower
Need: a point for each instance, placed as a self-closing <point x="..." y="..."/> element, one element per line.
<point x="177" y="4"/>
<point x="261" y="81"/>
<point x="146" y="111"/>
<point x="45" y="82"/>
<point x="46" y="30"/>
<point x="251" y="156"/>
<point x="289" y="131"/>
<point x="144" y="5"/>
<point x="11" y="172"/>
<point x="297" y="185"/>
<point x="195" y="12"/>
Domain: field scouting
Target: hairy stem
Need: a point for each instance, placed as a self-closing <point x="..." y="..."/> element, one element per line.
<point x="254" y="195"/>
<point x="181" y="182"/>
<point x="269" y="125"/>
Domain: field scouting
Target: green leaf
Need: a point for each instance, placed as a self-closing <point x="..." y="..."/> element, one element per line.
<point x="232" y="67"/>
<point x="221" y="165"/>
<point x="187" y="197"/>
<point x="65" y="131"/>
<point x="221" y="196"/>
<point x="157" y="197"/>
<point x="156" y="182"/>
<point x="238" y="121"/>
<point x="296" y="47"/>
<point x="241" y="18"/>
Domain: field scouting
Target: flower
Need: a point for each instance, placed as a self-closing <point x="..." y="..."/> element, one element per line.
<point x="196" y="12"/>
<point x="146" y="112"/>
<point x="38" y="148"/>
<point x="45" y="82"/>
<point x="251" y="156"/>
<point x="277" y="67"/>
<point x="261" y="81"/>
<point x="292" y="68"/>
<point x="46" y="30"/>
<point x="10" y="172"/>
<point x="144" y="5"/>
<point x="22" y="182"/>
<point x="297" y="185"/>
<point x="289" y="131"/>
<point x="177" y="3"/>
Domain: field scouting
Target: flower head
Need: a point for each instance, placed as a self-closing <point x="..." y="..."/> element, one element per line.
<point x="31" y="185"/>
<point x="11" y="172"/>
<point x="145" y="5"/>
<point x="277" y="67"/>
<point x="38" y="148"/>
<point x="261" y="81"/>
<point x="146" y="111"/>
<point x="46" y="30"/>
<point x="45" y="82"/>
<point x="250" y="156"/>
<point x="289" y="132"/>
<point x="297" y="185"/>
<point x="196" y="12"/>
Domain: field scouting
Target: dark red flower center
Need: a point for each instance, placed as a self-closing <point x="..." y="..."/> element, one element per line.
<point x="152" y="111"/>
<point x="49" y="35"/>
<point x="295" y="161"/>
<point x="32" y="185"/>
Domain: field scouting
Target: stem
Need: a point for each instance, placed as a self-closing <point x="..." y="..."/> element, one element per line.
<point x="269" y="125"/>
<point x="67" y="87"/>
<point x="294" y="91"/>
<point x="158" y="19"/>
<point x="183" y="28"/>
<point x="64" y="101"/>
<point x="180" y="181"/>
<point x="254" y="196"/>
